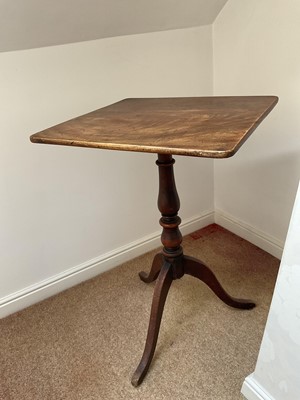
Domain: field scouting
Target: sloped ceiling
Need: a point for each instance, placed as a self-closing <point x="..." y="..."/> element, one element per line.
<point x="27" y="24"/>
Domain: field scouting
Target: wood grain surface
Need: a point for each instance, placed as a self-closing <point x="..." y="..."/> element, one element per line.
<point x="212" y="127"/>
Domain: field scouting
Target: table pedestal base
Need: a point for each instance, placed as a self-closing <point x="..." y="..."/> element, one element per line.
<point x="172" y="264"/>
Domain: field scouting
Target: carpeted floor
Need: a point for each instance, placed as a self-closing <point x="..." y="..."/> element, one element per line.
<point x="86" y="342"/>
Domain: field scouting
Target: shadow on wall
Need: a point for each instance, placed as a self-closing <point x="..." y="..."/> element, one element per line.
<point x="270" y="181"/>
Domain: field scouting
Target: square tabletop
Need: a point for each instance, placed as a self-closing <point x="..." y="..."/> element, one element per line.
<point x="212" y="127"/>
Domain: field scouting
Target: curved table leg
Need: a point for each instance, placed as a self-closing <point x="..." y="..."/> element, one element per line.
<point x="196" y="268"/>
<point x="161" y="290"/>
<point x="154" y="271"/>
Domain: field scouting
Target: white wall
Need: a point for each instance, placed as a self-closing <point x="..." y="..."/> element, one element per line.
<point x="256" y="51"/>
<point x="69" y="213"/>
<point x="276" y="374"/>
<point x="29" y="24"/>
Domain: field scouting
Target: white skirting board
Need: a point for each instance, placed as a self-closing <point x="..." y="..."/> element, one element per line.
<point x="253" y="235"/>
<point x="253" y="391"/>
<point x="55" y="284"/>
<point x="49" y="287"/>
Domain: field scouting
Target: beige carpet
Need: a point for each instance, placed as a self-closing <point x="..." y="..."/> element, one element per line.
<point x="86" y="342"/>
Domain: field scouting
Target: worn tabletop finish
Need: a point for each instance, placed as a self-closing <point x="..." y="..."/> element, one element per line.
<point x="194" y="126"/>
<point x="201" y="126"/>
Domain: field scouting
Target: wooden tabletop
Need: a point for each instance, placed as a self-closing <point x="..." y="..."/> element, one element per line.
<point x="213" y="127"/>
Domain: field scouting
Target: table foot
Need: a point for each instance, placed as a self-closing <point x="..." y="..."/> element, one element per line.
<point x="154" y="271"/>
<point x="172" y="264"/>
<point x="161" y="290"/>
<point x="196" y="268"/>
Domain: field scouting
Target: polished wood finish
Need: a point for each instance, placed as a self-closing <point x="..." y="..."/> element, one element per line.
<point x="194" y="126"/>
<point x="154" y="271"/>
<point x="199" y="270"/>
<point x="172" y="264"/>
<point x="159" y="297"/>
<point x="213" y="127"/>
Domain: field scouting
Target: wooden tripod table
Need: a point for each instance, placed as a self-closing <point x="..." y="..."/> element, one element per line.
<point x="213" y="127"/>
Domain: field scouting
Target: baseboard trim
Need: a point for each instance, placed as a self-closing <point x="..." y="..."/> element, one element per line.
<point x="253" y="391"/>
<point x="49" y="287"/>
<point x="253" y="235"/>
